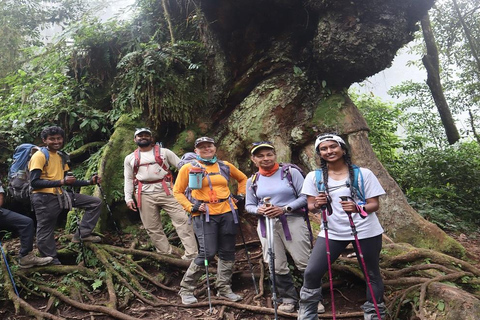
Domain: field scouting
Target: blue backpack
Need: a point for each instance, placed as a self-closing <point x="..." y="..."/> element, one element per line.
<point x="19" y="176"/>
<point x="358" y="183"/>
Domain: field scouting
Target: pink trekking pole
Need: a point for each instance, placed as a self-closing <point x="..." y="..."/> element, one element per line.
<point x="329" y="260"/>
<point x="364" y="266"/>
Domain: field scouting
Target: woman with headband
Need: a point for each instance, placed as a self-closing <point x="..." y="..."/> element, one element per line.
<point x="348" y="197"/>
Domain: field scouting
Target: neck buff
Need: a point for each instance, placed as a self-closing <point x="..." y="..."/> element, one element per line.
<point x="268" y="173"/>
<point x="208" y="162"/>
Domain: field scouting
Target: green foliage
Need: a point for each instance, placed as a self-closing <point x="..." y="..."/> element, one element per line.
<point x="382" y="118"/>
<point x="444" y="184"/>
<point x="21" y="23"/>
<point x="168" y="82"/>
<point x="420" y="120"/>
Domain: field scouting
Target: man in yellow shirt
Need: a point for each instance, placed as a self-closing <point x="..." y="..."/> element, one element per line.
<point x="49" y="199"/>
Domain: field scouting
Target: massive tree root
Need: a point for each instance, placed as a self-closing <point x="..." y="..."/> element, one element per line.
<point x="127" y="283"/>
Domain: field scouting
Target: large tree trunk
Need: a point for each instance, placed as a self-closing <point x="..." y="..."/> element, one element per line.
<point x="279" y="71"/>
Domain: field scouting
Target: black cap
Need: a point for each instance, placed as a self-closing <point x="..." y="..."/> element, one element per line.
<point x="203" y="139"/>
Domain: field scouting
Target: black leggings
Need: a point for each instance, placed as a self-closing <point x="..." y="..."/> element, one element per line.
<point x="318" y="264"/>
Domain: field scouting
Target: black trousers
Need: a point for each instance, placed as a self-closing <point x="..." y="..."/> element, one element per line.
<point x="318" y="264"/>
<point x="219" y="235"/>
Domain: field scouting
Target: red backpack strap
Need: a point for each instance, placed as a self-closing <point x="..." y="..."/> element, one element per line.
<point x="136" y="162"/>
<point x="158" y="158"/>
<point x="161" y="163"/>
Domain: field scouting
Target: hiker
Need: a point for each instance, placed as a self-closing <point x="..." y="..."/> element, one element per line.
<point x="49" y="199"/>
<point x="26" y="229"/>
<point x="324" y="188"/>
<point x="148" y="179"/>
<point x="291" y="233"/>
<point x="215" y="219"/>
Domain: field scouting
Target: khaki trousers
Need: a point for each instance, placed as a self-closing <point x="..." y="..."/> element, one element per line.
<point x="298" y="247"/>
<point x="150" y="215"/>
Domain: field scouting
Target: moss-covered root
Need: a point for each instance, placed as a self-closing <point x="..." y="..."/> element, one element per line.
<point x="141" y="272"/>
<point x="132" y="283"/>
<point x="87" y="307"/>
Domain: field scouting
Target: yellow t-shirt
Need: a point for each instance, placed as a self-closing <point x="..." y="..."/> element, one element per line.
<point x="53" y="171"/>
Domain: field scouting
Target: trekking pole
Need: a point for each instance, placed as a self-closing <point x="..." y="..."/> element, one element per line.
<point x="202" y="216"/>
<point x="8" y="269"/>
<point x="77" y="218"/>
<point x="324" y="209"/>
<point x="104" y="196"/>
<point x="248" y="260"/>
<point x="271" y="253"/>
<point x="364" y="266"/>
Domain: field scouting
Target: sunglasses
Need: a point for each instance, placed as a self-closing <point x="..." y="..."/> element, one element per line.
<point x="261" y="142"/>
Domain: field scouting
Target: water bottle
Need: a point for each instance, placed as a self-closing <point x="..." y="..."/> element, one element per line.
<point x="195" y="177"/>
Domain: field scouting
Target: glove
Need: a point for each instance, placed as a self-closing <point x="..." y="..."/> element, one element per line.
<point x="195" y="207"/>
<point x="239" y="197"/>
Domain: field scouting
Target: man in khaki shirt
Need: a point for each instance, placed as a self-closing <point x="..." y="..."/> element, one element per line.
<point x="149" y="182"/>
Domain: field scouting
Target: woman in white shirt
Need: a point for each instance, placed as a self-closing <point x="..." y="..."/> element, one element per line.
<point x="338" y="177"/>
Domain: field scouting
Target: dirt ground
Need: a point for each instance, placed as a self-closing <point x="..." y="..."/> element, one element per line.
<point x="349" y="294"/>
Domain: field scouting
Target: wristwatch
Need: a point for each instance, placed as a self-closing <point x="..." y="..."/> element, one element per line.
<point x="287" y="209"/>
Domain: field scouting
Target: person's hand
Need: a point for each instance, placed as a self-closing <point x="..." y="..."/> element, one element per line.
<point x="131" y="205"/>
<point x="320" y="200"/>
<point x="238" y="198"/>
<point x="273" y="211"/>
<point x="349" y="206"/>
<point x="199" y="207"/>
<point x="96" y="179"/>
<point x="69" y="179"/>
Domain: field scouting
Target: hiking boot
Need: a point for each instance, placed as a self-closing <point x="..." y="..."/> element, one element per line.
<point x="321" y="308"/>
<point x="89" y="238"/>
<point x="287" y="307"/>
<point x="371" y="314"/>
<point x="224" y="281"/>
<point x="188" y="298"/>
<point x="232" y="296"/>
<point x="31" y="260"/>
<point x="189" y="283"/>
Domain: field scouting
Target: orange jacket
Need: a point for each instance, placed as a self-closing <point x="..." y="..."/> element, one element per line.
<point x="219" y="184"/>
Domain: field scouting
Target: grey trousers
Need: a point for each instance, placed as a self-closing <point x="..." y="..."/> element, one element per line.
<point x="47" y="209"/>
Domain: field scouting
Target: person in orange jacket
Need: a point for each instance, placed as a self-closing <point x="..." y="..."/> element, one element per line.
<point x="215" y="220"/>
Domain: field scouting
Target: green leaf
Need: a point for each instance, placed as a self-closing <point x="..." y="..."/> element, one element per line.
<point x="97" y="284"/>
<point x="441" y="305"/>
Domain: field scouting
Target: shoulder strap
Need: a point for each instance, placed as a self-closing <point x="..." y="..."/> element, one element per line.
<point x="285" y="173"/>
<point x="44" y="150"/>
<point x="136" y="162"/>
<point x="319" y="180"/>
<point x="254" y="185"/>
<point x="224" y="170"/>
<point x="158" y="157"/>
<point x="359" y="187"/>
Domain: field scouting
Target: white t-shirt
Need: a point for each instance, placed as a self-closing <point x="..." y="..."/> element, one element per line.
<point x="338" y="224"/>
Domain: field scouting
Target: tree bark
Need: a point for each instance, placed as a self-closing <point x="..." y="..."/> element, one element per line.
<point x="431" y="63"/>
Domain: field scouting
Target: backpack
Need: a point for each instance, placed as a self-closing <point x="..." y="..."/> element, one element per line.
<point x="19" y="176"/>
<point x="191" y="157"/>
<point x="158" y="159"/>
<point x="285" y="173"/>
<point x="358" y="187"/>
